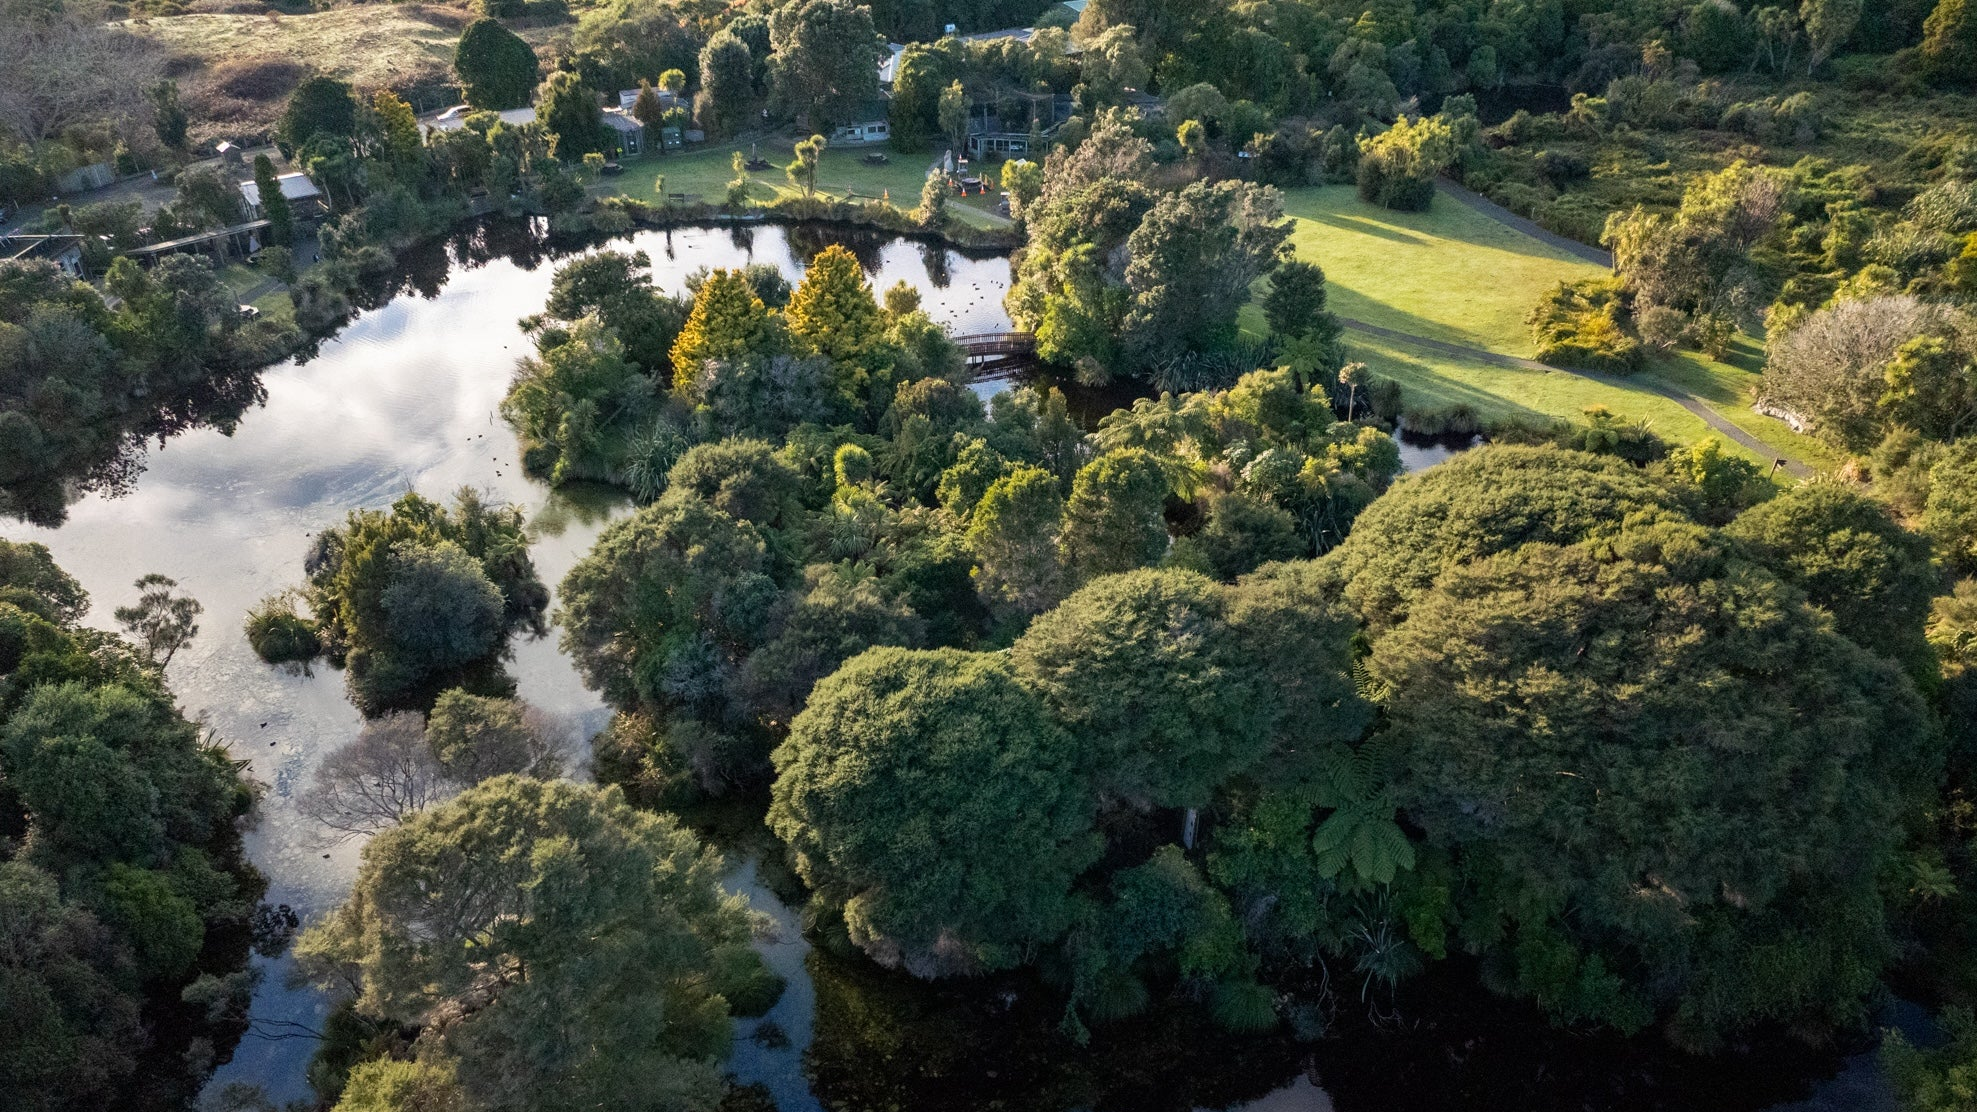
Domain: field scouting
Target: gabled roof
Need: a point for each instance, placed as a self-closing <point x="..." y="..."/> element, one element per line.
<point x="621" y="121"/>
<point x="295" y="186"/>
<point x="889" y="65"/>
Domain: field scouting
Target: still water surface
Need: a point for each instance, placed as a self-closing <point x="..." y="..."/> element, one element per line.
<point x="405" y="398"/>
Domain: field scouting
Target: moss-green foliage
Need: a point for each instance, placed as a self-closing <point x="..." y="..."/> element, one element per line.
<point x="1150" y="676"/>
<point x="496" y="68"/>
<point x="1932" y="484"/>
<point x="1564" y="707"/>
<point x="1145" y="690"/>
<point x="1277" y="442"/>
<point x="1481" y="503"/>
<point x="1852" y="559"/>
<point x="1112" y="521"/>
<point x="947" y="749"/>
<point x="415" y="600"/>
<point x="567" y="109"/>
<point x="1949" y="43"/>
<point x="611" y="924"/>
<point x="1014" y="533"/>
<point x="680" y="577"/>
<point x="123" y="858"/>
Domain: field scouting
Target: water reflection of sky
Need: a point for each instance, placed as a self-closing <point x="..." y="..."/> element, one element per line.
<point x="404" y="398"/>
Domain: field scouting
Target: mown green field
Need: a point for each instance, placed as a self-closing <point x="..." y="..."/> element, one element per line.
<point x="1450" y="273"/>
<point x="703" y="175"/>
<point x="1435" y="382"/>
<point x="1454" y="275"/>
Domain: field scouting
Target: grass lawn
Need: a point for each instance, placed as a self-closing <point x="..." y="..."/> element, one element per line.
<point x="704" y="174"/>
<point x="1730" y="391"/>
<point x="1449" y="273"/>
<point x="276" y="305"/>
<point x="1455" y="275"/>
<point x="240" y="277"/>
<point x="1433" y="381"/>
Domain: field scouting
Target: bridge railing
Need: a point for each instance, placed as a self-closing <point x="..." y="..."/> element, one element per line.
<point x="997" y="343"/>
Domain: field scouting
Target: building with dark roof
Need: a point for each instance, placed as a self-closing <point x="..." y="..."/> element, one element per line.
<point x="63" y="250"/>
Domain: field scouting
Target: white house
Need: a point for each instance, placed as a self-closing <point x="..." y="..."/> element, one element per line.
<point x="873" y="129"/>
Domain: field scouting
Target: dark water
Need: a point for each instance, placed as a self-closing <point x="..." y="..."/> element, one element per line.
<point x="404" y="398"/>
<point x="1419" y="451"/>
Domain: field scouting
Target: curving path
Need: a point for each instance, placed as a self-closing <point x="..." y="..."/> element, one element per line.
<point x="1796" y="468"/>
<point x="1530" y="228"/>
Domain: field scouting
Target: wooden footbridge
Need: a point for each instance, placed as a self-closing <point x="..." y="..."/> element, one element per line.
<point x="995" y="352"/>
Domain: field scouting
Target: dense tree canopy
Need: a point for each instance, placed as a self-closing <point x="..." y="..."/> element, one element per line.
<point x="1148" y="675"/>
<point x="423" y="597"/>
<point x="1479" y="504"/>
<point x="497" y="69"/>
<point x="1589" y="728"/>
<point x="563" y="948"/>
<point x="1852" y="559"/>
<point x="826" y="60"/>
<point x="123" y="863"/>
<point x="931" y="796"/>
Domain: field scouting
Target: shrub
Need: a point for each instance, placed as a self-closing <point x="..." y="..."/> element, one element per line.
<point x="279" y="635"/>
<point x="1397" y="167"/>
<point x="1560" y="167"/>
<point x="1584" y="325"/>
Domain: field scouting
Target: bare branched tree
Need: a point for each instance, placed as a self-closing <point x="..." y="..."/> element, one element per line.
<point x="1830" y="368"/>
<point x="387" y="774"/>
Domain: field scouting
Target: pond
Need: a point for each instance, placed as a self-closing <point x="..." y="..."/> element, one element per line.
<point x="405" y="398"/>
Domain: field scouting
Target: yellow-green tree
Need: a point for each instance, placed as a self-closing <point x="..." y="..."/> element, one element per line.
<point x="833" y="314"/>
<point x="803" y="171"/>
<point x="728" y="320"/>
<point x="397" y="127"/>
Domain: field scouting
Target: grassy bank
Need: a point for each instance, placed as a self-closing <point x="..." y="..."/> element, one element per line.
<point x="1450" y="273"/>
<point x="1436" y="383"/>
<point x="842" y="174"/>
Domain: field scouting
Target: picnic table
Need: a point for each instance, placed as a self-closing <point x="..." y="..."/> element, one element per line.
<point x="877" y="158"/>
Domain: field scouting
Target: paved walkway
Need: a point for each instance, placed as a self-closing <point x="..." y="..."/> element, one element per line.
<point x="1713" y="419"/>
<point x="1530" y="228"/>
